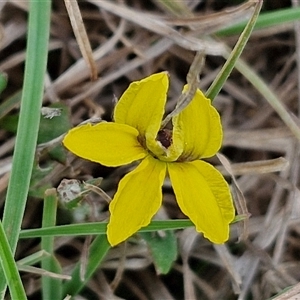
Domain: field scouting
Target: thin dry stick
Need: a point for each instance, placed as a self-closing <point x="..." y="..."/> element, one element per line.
<point x="154" y="24"/>
<point x="296" y="3"/>
<point x="153" y="51"/>
<point x="206" y="24"/>
<point x="121" y="267"/>
<point x="193" y="82"/>
<point x="98" y="191"/>
<point x="290" y="206"/>
<point x="240" y="201"/>
<point x="87" y="242"/>
<point x="228" y="261"/>
<point x="38" y="271"/>
<point x="269" y="95"/>
<point x="187" y="241"/>
<point x="77" y="73"/>
<point x="257" y="167"/>
<point x="85" y="256"/>
<point x="81" y="36"/>
<point x="290" y="294"/>
<point x="123" y="38"/>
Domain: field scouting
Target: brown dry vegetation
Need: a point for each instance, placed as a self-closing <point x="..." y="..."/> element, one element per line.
<point x="257" y="267"/>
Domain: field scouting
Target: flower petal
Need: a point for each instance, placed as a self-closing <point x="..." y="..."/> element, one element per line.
<point x="138" y="198"/>
<point x="204" y="196"/>
<point x="109" y="144"/>
<point x="200" y="126"/>
<point x="142" y="104"/>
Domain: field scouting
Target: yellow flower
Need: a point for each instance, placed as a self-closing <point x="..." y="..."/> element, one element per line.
<point x="201" y="191"/>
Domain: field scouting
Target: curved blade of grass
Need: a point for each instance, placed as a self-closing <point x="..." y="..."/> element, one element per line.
<point x="35" y="68"/>
<point x="221" y="78"/>
<point x="10" y="270"/>
<point x="265" y="20"/>
<point x="100" y="228"/>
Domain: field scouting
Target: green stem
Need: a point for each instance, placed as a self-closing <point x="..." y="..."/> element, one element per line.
<point x="221" y="78"/>
<point x="51" y="287"/>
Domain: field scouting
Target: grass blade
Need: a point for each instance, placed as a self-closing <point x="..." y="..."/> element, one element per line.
<point x="51" y="287"/>
<point x="10" y="270"/>
<point x="265" y="20"/>
<point x="99" y="228"/>
<point x="35" y="67"/>
<point x="221" y="78"/>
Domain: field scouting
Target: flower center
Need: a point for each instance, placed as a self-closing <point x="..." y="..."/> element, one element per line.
<point x="164" y="136"/>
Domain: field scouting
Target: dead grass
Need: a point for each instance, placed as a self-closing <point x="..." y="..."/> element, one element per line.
<point x="129" y="44"/>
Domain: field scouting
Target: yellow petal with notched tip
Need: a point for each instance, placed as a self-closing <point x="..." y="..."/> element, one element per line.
<point x="109" y="144"/>
<point x="204" y="196"/>
<point x="200" y="128"/>
<point x="142" y="105"/>
<point x="136" y="201"/>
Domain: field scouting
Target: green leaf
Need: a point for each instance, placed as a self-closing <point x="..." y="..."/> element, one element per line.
<point x="163" y="247"/>
<point x="10" y="123"/>
<point x="3" y="82"/>
<point x="38" y="186"/>
<point x="52" y="127"/>
<point x="49" y="128"/>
